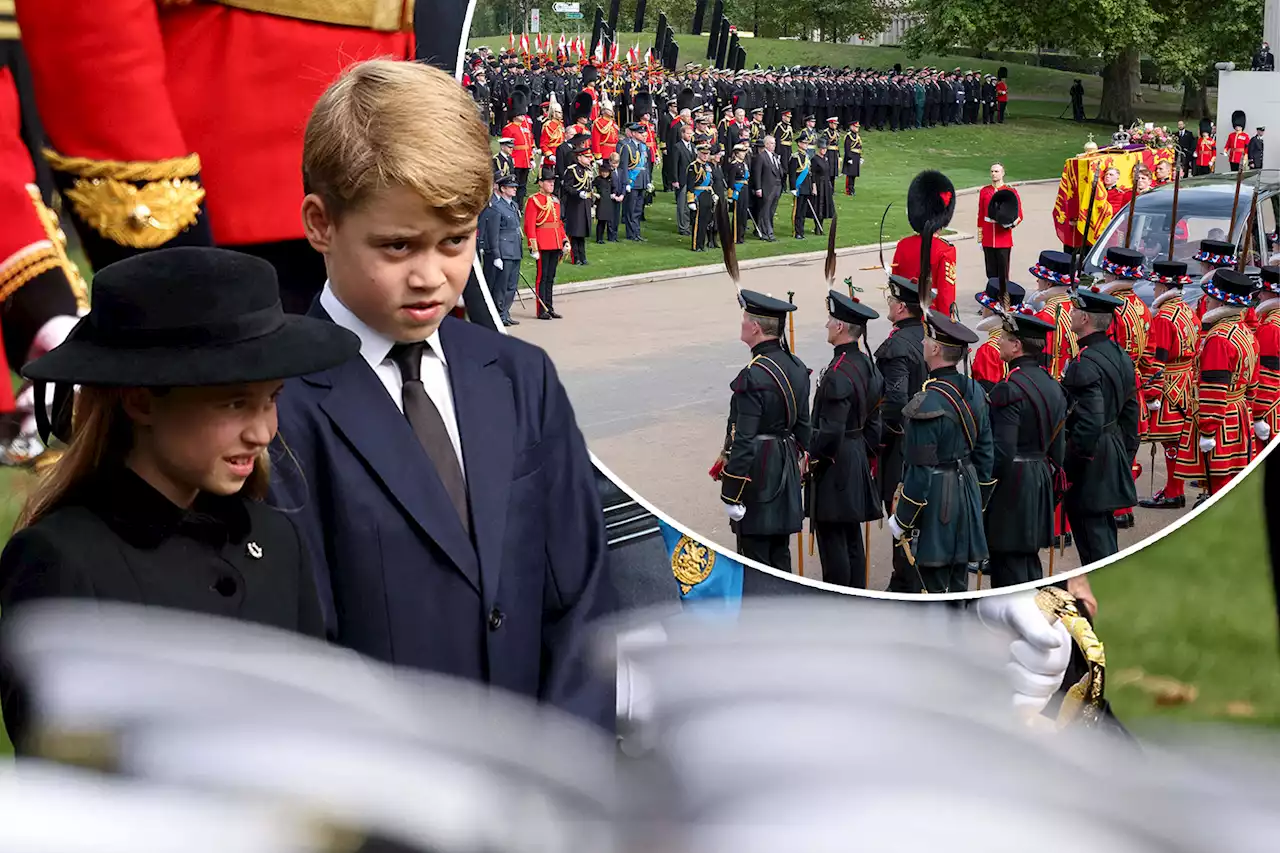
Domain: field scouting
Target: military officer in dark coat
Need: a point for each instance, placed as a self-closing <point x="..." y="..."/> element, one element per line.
<point x="503" y="163"/>
<point x="900" y="360"/>
<point x="823" y="184"/>
<point x="1028" y="413"/>
<point x="846" y="432"/>
<point x="936" y="521"/>
<point x="577" y="191"/>
<point x="766" y="434"/>
<point x="1102" y="427"/>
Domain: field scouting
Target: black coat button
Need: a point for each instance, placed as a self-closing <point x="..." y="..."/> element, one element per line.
<point x="226" y="586"/>
<point x="495" y="619"/>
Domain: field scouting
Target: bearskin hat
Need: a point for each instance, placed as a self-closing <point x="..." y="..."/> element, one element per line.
<point x="582" y="106"/>
<point x="519" y="101"/>
<point x="641" y="103"/>
<point x="1238" y="119"/>
<point x="1206" y="126"/>
<point x="1003" y="207"/>
<point x="687" y="99"/>
<point x="590" y="74"/>
<point x="931" y="202"/>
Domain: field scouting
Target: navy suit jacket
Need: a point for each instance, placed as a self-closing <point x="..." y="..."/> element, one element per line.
<point x="399" y="579"/>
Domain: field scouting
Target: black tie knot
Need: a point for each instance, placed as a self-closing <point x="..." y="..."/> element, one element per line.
<point x="408" y="357"/>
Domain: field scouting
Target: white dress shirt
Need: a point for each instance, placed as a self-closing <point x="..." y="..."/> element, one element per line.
<point x="375" y="348"/>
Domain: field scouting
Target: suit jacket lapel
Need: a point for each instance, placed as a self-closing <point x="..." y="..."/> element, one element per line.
<point x="482" y="399"/>
<point x="361" y="410"/>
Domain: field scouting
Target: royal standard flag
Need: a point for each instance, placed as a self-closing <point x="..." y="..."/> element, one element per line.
<point x="1076" y="186"/>
<point x="706" y="577"/>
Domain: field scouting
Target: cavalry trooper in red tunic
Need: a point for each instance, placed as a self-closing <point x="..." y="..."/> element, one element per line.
<point x="1266" y="401"/>
<point x="544" y="229"/>
<point x="41" y="290"/>
<point x="1217" y="442"/>
<point x="172" y="122"/>
<point x="1166" y="367"/>
<point x="988" y="367"/>
<point x="1121" y="267"/>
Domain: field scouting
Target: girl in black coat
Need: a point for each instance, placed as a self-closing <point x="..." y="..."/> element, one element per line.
<point x="157" y="497"/>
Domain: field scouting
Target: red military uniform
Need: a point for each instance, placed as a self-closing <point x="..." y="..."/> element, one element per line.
<point x="942" y="265"/>
<point x="195" y="113"/>
<point x="544" y="229"/>
<point x="1237" y="145"/>
<point x="1206" y="151"/>
<point x="1266" y="400"/>
<point x="1227" y="374"/>
<point x="1129" y="330"/>
<point x="988" y="367"/>
<point x="38" y="282"/>
<point x="604" y="137"/>
<point x="520" y="130"/>
<point x="1166" y="367"/>
<point x="1061" y="346"/>
<point x="552" y="138"/>
<point x="990" y="234"/>
<point x="650" y="140"/>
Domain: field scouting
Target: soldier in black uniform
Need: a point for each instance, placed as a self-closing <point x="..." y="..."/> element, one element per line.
<point x="698" y="179"/>
<point x="784" y="136"/>
<point x="576" y="193"/>
<point x="936" y="520"/>
<point x="1028" y="415"/>
<point x="1102" y="427"/>
<point x="767" y="431"/>
<point x="846" y="432"/>
<point x="503" y="163"/>
<point x="800" y="181"/>
<point x="900" y="360"/>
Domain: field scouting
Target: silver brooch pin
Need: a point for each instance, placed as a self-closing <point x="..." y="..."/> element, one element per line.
<point x="255" y="550"/>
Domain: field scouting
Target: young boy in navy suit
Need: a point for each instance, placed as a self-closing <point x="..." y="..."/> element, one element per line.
<point x="442" y="486"/>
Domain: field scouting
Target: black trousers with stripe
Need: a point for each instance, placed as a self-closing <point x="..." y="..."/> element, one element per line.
<point x="548" y="260"/>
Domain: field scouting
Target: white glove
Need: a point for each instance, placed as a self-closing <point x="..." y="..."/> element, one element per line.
<point x="1262" y="430"/>
<point x="535" y="254"/>
<point x="693" y="205"/>
<point x="1154" y="405"/>
<point x="795" y="193"/>
<point x="1207" y="443"/>
<point x="735" y="511"/>
<point x="628" y="187"/>
<point x="634" y="692"/>
<point x="582" y="195"/>
<point x="1039" y="652"/>
<point x="895" y="528"/>
<point x="497" y="263"/>
<point x="760" y="192"/>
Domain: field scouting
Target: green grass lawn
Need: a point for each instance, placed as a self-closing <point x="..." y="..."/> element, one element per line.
<point x="1195" y="610"/>
<point x="1031" y="144"/>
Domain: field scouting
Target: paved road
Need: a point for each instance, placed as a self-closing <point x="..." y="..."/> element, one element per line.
<point x="648" y="369"/>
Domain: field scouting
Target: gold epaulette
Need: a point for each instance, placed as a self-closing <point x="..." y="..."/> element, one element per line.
<point x="142" y="205"/>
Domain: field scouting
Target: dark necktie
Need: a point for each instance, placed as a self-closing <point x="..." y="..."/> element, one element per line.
<point x="429" y="426"/>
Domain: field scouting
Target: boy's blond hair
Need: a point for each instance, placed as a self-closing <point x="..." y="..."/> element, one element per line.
<point x="385" y="123"/>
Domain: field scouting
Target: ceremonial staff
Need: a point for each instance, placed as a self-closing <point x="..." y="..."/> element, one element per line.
<point x="1088" y="226"/>
<point x="791" y="335"/>
<point x="1235" y="205"/>
<point x="1133" y="199"/>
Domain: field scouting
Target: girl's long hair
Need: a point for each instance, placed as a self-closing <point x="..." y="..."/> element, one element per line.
<point x="102" y="435"/>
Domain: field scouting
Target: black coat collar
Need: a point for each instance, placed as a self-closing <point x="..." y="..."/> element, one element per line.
<point x="771" y="345"/>
<point x="143" y="517"/>
<point x="1092" y="338"/>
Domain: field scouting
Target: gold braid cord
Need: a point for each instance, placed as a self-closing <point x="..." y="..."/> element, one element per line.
<point x="26" y="264"/>
<point x="1083" y="702"/>
<point x="141" y="205"/>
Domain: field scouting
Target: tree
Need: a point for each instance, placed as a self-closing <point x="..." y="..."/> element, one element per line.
<point x="1116" y="30"/>
<point x="1195" y="37"/>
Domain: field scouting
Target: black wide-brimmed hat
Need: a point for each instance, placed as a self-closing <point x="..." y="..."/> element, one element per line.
<point x="190" y="316"/>
<point x="1169" y="273"/>
<point x="1054" y="267"/>
<point x="1217" y="253"/>
<point x="1124" y="263"/>
<point x="990" y="296"/>
<point x="1269" y="278"/>
<point x="846" y="309"/>
<point x="1231" y="287"/>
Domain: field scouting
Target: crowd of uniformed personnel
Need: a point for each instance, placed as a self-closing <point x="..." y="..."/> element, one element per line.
<point x="979" y="466"/>
<point x="703" y="134"/>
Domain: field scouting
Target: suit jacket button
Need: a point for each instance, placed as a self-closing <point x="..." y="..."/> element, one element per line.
<point x="495" y="619"/>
